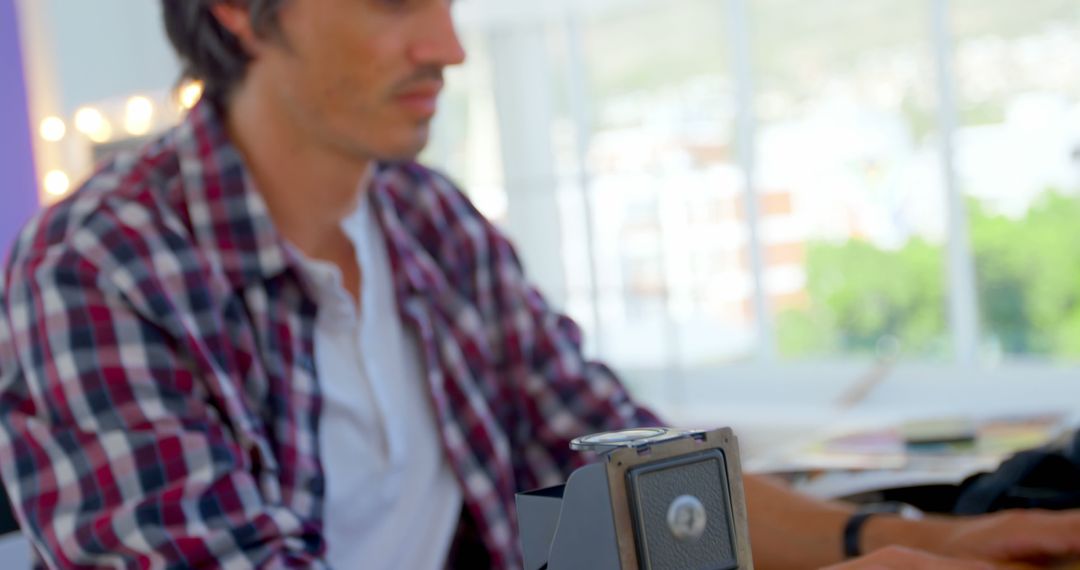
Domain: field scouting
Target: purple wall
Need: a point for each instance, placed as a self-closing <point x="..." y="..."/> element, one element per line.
<point x="18" y="183"/>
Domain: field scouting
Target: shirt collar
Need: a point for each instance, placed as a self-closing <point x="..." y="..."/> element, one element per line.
<point x="395" y="200"/>
<point x="231" y="222"/>
<point x="229" y="219"/>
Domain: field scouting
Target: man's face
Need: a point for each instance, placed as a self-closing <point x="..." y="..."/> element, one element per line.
<point x="358" y="76"/>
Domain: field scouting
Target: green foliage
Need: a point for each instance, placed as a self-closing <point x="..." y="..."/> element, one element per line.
<point x="1028" y="275"/>
<point x="862" y="295"/>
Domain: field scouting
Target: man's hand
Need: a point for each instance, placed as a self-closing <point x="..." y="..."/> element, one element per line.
<point x="901" y="558"/>
<point x="1017" y="538"/>
<point x="790" y="531"/>
<point x="1029" y="536"/>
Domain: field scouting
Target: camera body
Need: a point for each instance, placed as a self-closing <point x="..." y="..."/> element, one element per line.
<point x="656" y="499"/>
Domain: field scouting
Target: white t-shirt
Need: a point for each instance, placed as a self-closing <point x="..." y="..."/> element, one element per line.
<point x="392" y="500"/>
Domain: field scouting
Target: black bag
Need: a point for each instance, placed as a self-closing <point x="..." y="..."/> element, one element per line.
<point x="1042" y="478"/>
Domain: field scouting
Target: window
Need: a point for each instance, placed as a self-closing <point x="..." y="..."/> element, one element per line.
<point x="615" y="140"/>
<point x="849" y="178"/>
<point x="1018" y="164"/>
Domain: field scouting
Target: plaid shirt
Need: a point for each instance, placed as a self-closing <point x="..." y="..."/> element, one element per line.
<point x="159" y="403"/>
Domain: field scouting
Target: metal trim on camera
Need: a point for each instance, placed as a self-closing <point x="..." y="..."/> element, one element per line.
<point x="657" y="499"/>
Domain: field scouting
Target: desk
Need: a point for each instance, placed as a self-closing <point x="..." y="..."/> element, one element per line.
<point x="848" y="463"/>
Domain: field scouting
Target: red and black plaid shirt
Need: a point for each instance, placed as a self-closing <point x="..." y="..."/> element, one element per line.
<point x="159" y="402"/>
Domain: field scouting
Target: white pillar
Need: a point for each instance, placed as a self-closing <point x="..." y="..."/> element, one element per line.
<point x="741" y="45"/>
<point x="963" y="308"/>
<point x="523" y="91"/>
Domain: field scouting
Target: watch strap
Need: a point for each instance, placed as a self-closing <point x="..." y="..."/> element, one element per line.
<point x="853" y="533"/>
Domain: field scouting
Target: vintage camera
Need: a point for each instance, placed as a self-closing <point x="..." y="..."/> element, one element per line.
<point x="657" y="499"/>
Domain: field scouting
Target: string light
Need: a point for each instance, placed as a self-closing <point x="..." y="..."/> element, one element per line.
<point x="57" y="183"/>
<point x="190" y="94"/>
<point x="139" y="116"/>
<point x="53" y="129"/>
<point x="90" y="122"/>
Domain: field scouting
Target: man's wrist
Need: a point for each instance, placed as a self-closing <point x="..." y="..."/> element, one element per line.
<point x="884" y="530"/>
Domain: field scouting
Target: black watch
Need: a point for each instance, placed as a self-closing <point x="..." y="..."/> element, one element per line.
<point x="854" y="526"/>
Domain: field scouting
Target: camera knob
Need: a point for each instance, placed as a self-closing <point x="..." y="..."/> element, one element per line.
<point x="686" y="518"/>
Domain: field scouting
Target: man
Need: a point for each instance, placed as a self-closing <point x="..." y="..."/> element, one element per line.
<point x="272" y="340"/>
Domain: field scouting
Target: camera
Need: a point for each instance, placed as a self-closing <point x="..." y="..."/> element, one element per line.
<point x="655" y="499"/>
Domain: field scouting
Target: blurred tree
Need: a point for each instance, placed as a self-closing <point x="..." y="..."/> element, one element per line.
<point x="1028" y="277"/>
<point x="861" y="295"/>
<point x="1028" y="270"/>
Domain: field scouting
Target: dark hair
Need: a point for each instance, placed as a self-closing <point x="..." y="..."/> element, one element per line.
<point x="208" y="52"/>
